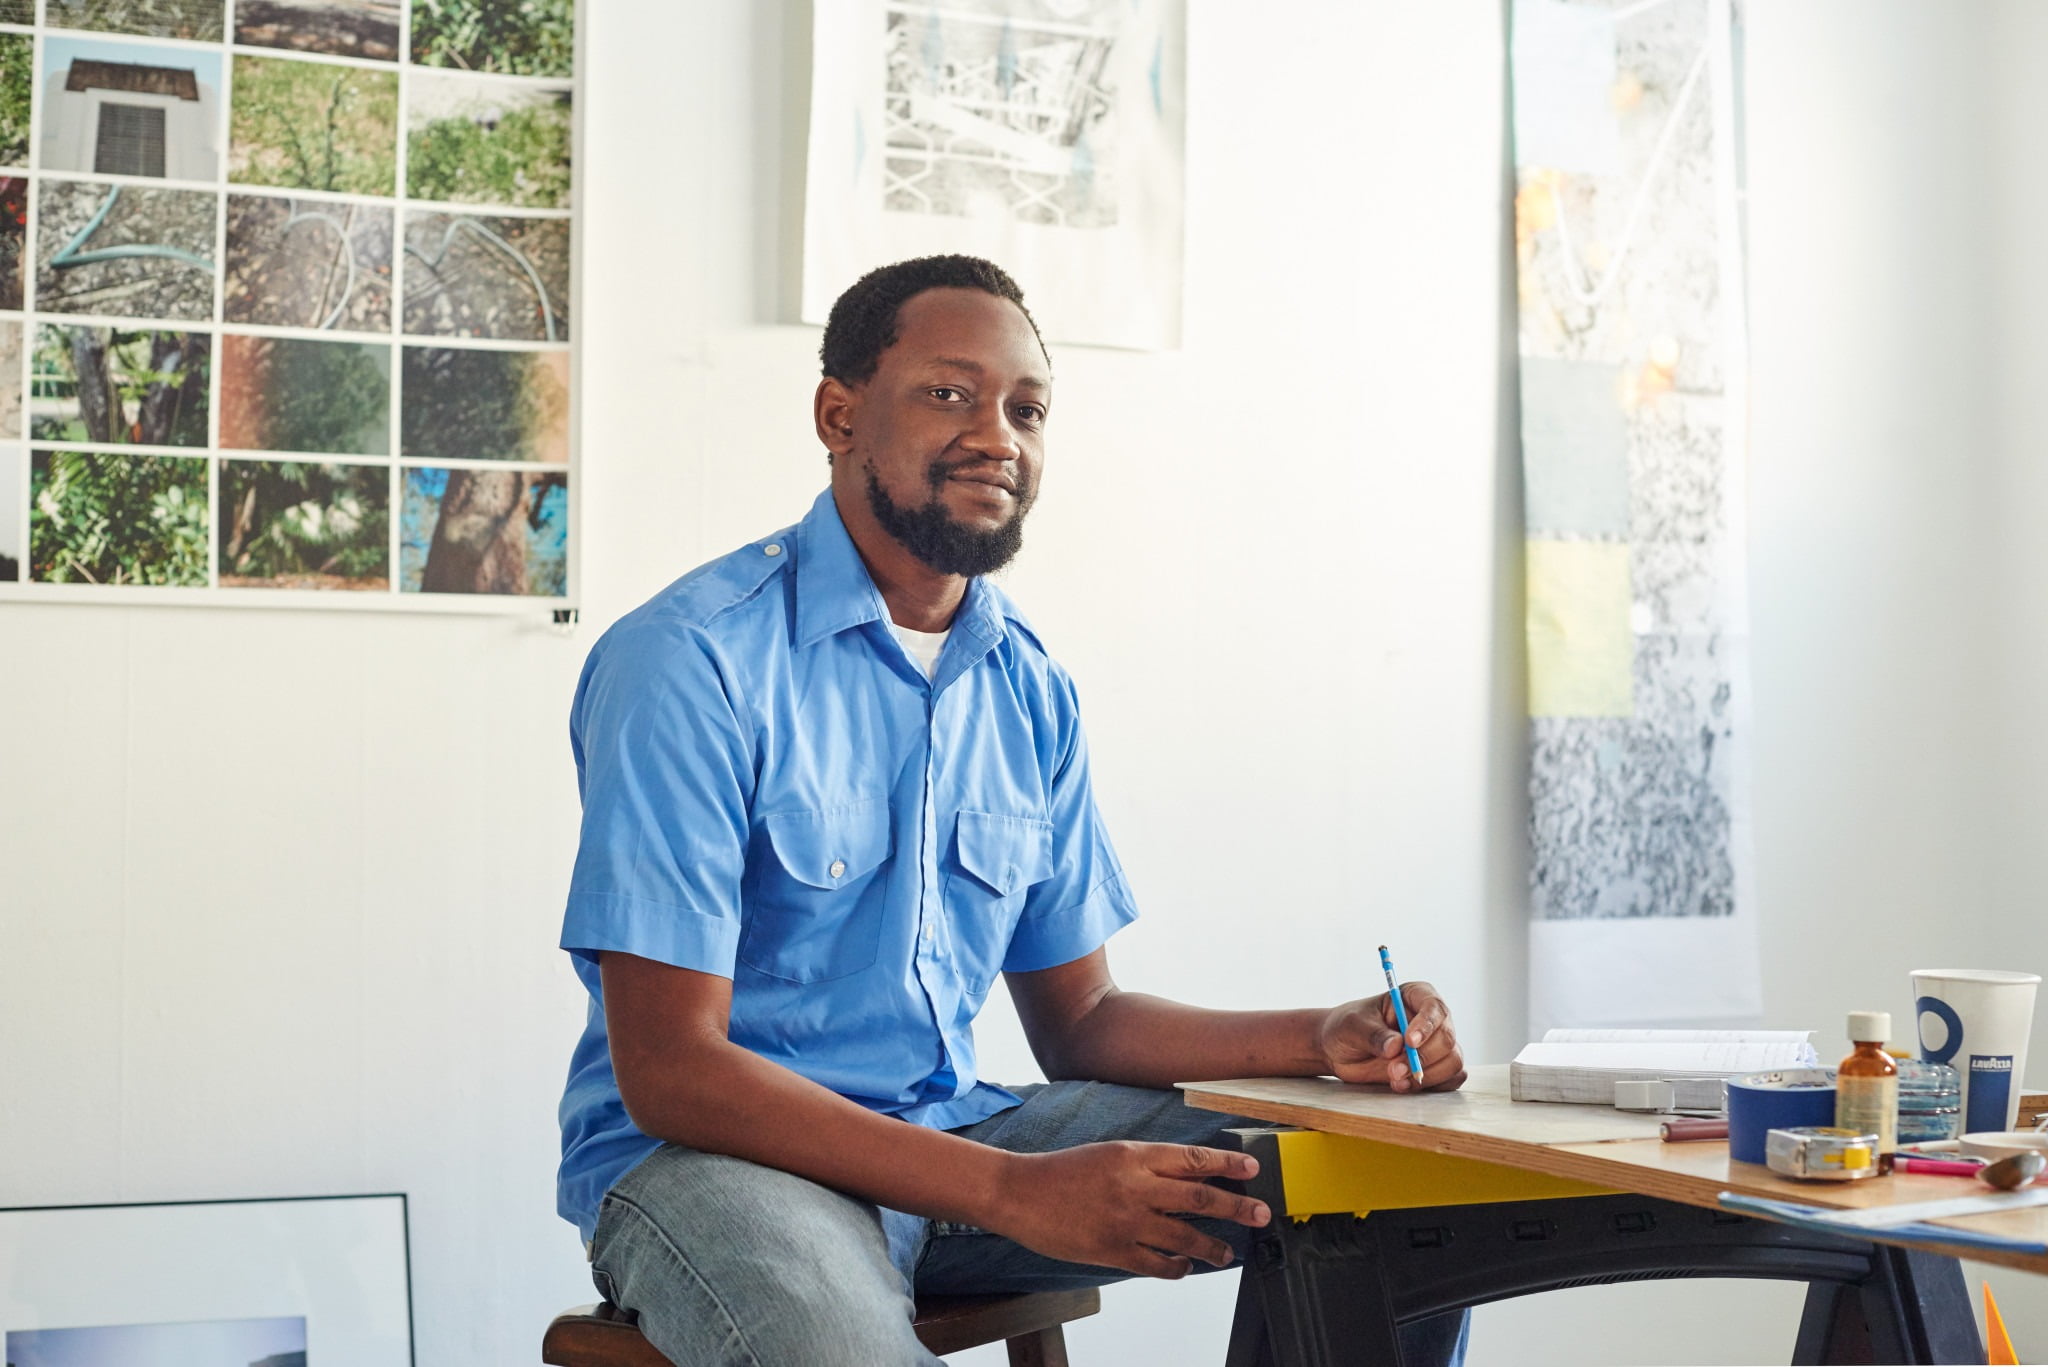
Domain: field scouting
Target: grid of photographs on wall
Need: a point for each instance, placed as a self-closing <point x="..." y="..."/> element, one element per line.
<point x="285" y="300"/>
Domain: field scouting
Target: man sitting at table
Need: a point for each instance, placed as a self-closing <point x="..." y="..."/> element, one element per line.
<point x="832" y="786"/>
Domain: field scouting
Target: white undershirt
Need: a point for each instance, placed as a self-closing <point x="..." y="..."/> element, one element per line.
<point x="924" y="646"/>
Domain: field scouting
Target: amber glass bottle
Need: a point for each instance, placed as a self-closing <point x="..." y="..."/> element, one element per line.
<point x="1867" y="1084"/>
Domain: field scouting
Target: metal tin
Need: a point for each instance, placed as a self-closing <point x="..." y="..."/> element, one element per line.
<point x="1781" y="1099"/>
<point x="1821" y="1152"/>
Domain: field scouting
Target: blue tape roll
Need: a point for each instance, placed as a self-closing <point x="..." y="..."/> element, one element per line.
<point x="1783" y="1099"/>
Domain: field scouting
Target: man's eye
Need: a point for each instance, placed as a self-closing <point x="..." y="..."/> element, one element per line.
<point x="947" y="394"/>
<point x="1031" y="413"/>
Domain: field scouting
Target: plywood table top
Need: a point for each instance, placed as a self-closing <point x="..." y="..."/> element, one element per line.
<point x="1591" y="1143"/>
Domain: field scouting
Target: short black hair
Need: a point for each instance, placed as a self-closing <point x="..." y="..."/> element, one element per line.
<point x="862" y="324"/>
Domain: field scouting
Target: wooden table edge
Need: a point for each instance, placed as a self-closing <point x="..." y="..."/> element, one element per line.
<point x="1583" y="1162"/>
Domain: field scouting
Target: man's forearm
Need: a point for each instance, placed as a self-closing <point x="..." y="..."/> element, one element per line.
<point x="720" y="1098"/>
<point x="1146" y="1041"/>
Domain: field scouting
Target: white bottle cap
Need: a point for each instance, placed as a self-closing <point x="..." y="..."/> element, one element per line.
<point x="1870" y="1025"/>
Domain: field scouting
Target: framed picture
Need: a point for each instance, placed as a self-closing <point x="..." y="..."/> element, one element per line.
<point x="301" y="1282"/>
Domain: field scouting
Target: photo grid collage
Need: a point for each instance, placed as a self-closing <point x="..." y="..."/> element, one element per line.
<point x="285" y="298"/>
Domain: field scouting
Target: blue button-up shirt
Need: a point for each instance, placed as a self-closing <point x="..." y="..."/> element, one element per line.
<point x="773" y="791"/>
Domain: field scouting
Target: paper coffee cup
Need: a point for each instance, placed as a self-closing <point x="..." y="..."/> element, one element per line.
<point x="1977" y="1020"/>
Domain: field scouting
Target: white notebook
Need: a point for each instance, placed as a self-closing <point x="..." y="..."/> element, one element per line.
<point x="1583" y="1065"/>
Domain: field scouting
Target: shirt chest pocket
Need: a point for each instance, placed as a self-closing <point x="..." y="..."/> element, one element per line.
<point x="815" y="911"/>
<point x="994" y="861"/>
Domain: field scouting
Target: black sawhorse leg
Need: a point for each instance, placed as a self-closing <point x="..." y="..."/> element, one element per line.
<point x="1913" y="1307"/>
<point x="1331" y="1291"/>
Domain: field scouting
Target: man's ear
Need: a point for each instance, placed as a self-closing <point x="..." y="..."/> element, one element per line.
<point x="833" y="409"/>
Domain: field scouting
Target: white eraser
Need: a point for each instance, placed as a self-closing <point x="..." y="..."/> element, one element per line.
<point x="1643" y="1096"/>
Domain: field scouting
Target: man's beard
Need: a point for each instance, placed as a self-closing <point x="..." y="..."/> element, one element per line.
<point x="929" y="532"/>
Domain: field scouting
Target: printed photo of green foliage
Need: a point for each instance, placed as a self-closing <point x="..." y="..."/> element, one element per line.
<point x="289" y="394"/>
<point x="140" y="387"/>
<point x="477" y="140"/>
<point x="17" y="61"/>
<point x="199" y="20"/>
<point x="461" y="404"/>
<point x="313" y="126"/>
<point x="98" y="517"/>
<point x="294" y="525"/>
<point x="509" y="37"/>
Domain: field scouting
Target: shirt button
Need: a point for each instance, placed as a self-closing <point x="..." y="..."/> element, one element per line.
<point x="838" y="867"/>
<point x="771" y="549"/>
<point x="928" y="932"/>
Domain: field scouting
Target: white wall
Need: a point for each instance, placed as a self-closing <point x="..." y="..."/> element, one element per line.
<point x="2019" y="892"/>
<point x="1873" y="491"/>
<point x="281" y="888"/>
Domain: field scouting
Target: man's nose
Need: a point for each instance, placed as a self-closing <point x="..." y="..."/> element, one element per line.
<point x="993" y="435"/>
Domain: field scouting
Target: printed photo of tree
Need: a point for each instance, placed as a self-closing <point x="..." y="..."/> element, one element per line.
<point x="308" y="264"/>
<point x="313" y="126"/>
<point x="10" y="380"/>
<point x="104" y="385"/>
<point x="462" y="404"/>
<point x="17" y="61"/>
<point x="528" y="38"/>
<point x="471" y="276"/>
<point x="485" y="531"/>
<point x="125" y="249"/>
<point x="10" y="514"/>
<point x="13" y="238"/>
<point x="98" y="517"/>
<point x="481" y="141"/>
<point x="340" y="28"/>
<point x="292" y="394"/>
<point x="198" y="20"/>
<point x="294" y="525"/>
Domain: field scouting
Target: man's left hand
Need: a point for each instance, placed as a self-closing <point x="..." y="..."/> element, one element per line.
<point x="1361" y="1041"/>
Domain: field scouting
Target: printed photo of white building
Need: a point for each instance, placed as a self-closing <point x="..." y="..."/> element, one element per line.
<point x="130" y="110"/>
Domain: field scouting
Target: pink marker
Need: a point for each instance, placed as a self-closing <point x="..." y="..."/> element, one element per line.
<point x="1947" y="1167"/>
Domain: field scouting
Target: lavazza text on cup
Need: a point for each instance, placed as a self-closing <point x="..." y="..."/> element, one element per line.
<point x="1977" y="1020"/>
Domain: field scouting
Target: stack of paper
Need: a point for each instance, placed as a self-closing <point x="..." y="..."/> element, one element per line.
<point x="1584" y="1065"/>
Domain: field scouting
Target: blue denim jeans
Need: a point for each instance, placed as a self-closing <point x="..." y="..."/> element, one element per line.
<point x="729" y="1262"/>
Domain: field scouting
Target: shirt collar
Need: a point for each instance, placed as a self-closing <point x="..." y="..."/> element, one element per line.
<point x="834" y="590"/>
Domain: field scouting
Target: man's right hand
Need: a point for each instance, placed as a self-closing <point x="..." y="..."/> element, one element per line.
<point x="1122" y="1205"/>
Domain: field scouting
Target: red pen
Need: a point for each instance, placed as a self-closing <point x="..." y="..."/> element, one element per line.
<point x="1683" y="1128"/>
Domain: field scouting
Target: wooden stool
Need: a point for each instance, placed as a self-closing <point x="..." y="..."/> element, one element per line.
<point x="596" y="1335"/>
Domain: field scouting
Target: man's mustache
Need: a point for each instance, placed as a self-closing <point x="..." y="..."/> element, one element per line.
<point x="941" y="471"/>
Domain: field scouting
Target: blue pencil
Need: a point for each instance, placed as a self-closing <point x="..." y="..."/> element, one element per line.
<point x="1400" y="1014"/>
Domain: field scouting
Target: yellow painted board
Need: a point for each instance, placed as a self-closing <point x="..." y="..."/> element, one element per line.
<point x="1581" y="646"/>
<point x="1324" y="1174"/>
